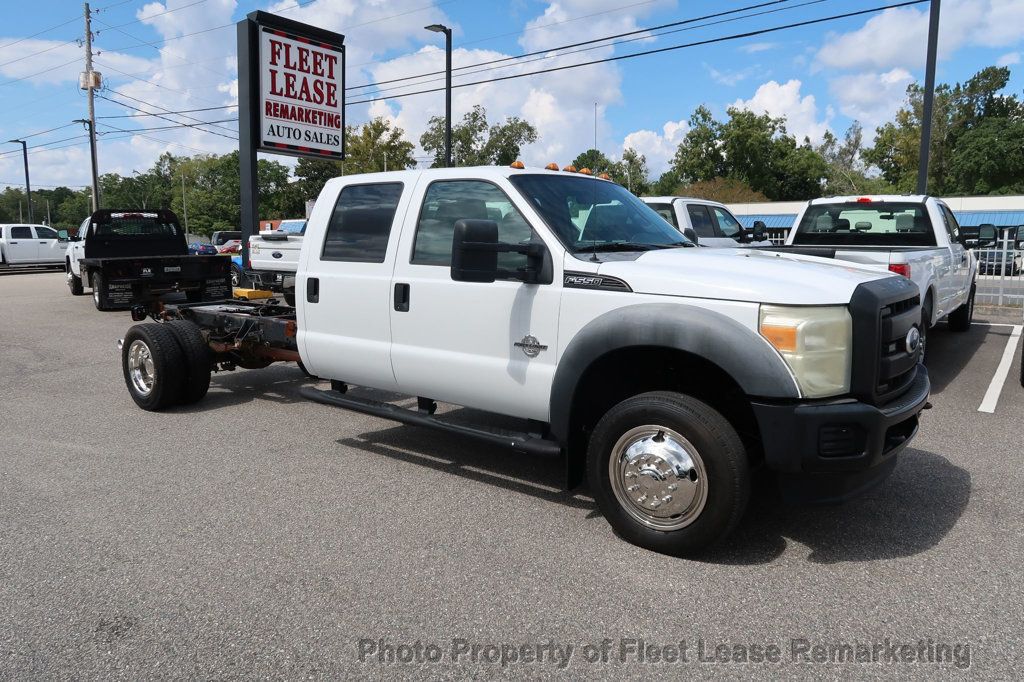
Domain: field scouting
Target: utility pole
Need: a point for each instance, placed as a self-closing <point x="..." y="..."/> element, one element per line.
<point x="929" y="98"/>
<point x="48" y="221"/>
<point x="595" y="125"/>
<point x="184" y="208"/>
<point x="90" y="81"/>
<point x="28" y="187"/>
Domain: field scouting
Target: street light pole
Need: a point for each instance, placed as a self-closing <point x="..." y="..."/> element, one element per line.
<point x="28" y="187"/>
<point x="440" y="28"/>
<point x="929" y="98"/>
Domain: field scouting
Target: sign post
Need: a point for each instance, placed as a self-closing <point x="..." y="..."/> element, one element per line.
<point x="291" y="99"/>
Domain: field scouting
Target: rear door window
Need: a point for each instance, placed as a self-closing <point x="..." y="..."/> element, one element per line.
<point x="21" y="232"/>
<point x="360" y="225"/>
<point x="700" y="218"/>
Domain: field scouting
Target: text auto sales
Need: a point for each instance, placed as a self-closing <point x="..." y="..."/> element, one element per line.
<point x="304" y="75"/>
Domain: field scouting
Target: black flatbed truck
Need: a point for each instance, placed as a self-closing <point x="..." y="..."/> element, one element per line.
<point x="131" y="256"/>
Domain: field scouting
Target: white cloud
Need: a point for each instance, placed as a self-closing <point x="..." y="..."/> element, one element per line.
<point x="871" y="98"/>
<point x="897" y="37"/>
<point x="784" y="99"/>
<point x="658" y="148"/>
<point x="1008" y="59"/>
<point x="54" y="61"/>
<point x="730" y="78"/>
<point x="751" y="48"/>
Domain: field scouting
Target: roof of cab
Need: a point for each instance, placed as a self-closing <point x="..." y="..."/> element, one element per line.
<point x="669" y="199"/>
<point x="460" y="172"/>
<point x="893" y="198"/>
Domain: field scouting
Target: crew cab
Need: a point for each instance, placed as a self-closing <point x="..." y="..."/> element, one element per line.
<point x="663" y="373"/>
<point x="707" y="223"/>
<point x="130" y="257"/>
<point x="915" y="236"/>
<point x="31" y="245"/>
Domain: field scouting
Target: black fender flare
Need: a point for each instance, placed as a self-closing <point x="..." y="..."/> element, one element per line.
<point x="740" y="352"/>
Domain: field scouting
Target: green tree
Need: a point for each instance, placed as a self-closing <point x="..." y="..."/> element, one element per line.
<point x="475" y="142"/>
<point x="595" y="160"/>
<point x="723" y="190"/>
<point x="631" y="172"/>
<point x="969" y="121"/>
<point x="699" y="156"/>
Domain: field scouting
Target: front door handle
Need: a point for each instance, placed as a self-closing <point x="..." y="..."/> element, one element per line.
<point x="313" y="289"/>
<point x="402" y="297"/>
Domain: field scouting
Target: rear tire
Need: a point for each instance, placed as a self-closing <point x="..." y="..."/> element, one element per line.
<point x="289" y="298"/>
<point x="197" y="360"/>
<point x="153" y="365"/>
<point x="668" y="472"/>
<point x="98" y="289"/>
<point x="961" y="318"/>
<point x="237" y="277"/>
<point x="74" y="282"/>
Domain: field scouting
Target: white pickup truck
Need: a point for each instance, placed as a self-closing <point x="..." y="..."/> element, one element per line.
<point x="274" y="257"/>
<point x="665" y="373"/>
<point x="31" y="245"/>
<point x="914" y="236"/>
<point x="707" y="223"/>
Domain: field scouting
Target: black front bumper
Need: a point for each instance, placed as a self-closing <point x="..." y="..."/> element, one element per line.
<point x="839" y="448"/>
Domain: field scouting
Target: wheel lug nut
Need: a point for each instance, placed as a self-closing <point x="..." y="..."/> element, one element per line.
<point x="672" y="486"/>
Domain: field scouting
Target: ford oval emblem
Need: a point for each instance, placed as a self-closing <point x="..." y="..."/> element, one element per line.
<point x="277" y="254"/>
<point x="913" y="340"/>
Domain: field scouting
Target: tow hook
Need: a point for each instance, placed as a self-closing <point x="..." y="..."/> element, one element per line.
<point x="927" y="405"/>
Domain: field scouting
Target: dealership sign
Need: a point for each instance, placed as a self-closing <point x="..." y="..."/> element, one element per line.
<point x="301" y="88"/>
<point x="291" y="99"/>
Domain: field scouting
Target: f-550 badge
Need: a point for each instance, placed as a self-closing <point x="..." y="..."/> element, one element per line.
<point x="530" y="346"/>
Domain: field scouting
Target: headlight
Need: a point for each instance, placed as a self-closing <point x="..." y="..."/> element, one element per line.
<point x="816" y="342"/>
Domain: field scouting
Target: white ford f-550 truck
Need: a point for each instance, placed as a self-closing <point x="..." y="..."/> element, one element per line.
<point x="912" y="235"/>
<point x="664" y="373"/>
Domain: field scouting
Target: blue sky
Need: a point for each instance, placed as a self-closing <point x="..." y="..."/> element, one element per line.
<point x="820" y="77"/>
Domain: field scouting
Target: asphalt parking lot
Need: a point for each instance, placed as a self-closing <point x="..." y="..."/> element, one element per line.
<point x="257" y="534"/>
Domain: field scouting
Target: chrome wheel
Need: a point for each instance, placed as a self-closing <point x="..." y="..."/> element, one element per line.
<point x="140" y="367"/>
<point x="658" y="477"/>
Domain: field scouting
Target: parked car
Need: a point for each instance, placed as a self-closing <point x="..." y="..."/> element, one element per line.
<point x="201" y="249"/>
<point x="664" y="373"/>
<point x="135" y="256"/>
<point x="222" y="237"/>
<point x="997" y="261"/>
<point x="912" y="235"/>
<point x="31" y="245"/>
<point x="707" y="223"/>
<point x="230" y="246"/>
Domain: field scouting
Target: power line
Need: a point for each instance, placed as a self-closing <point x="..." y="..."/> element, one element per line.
<point x="39" y="33"/>
<point x="644" y="34"/>
<point x="181" y="111"/>
<point x="43" y="132"/>
<point x="736" y="36"/>
<point x="185" y="125"/>
<point x="39" y="73"/>
<point x="166" y="111"/>
<point x="584" y="42"/>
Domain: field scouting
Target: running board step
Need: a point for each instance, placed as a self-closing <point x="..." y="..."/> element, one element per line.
<point x="517" y="440"/>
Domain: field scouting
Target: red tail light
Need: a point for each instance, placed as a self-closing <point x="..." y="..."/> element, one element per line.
<point x="900" y="269"/>
<point x="864" y="200"/>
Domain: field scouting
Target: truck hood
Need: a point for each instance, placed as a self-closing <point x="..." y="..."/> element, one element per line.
<point x="742" y="275"/>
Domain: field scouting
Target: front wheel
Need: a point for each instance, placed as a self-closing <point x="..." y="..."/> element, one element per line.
<point x="668" y="472"/>
<point x="74" y="282"/>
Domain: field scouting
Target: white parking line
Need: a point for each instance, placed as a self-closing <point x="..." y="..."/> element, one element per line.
<point x="988" y="403"/>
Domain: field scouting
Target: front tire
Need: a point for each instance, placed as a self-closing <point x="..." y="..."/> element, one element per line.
<point x="961" y="318"/>
<point x="153" y="365"/>
<point x="668" y="472"/>
<point x="74" y="282"/>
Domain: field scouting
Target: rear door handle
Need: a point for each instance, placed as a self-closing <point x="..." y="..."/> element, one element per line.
<point x="313" y="289"/>
<point x="402" y="297"/>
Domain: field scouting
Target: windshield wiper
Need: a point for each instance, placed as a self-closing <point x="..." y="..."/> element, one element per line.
<point x="672" y="245"/>
<point x="614" y="246"/>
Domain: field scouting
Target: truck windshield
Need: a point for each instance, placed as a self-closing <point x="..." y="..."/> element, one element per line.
<point x="133" y="225"/>
<point x="866" y="224"/>
<point x="589" y="214"/>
